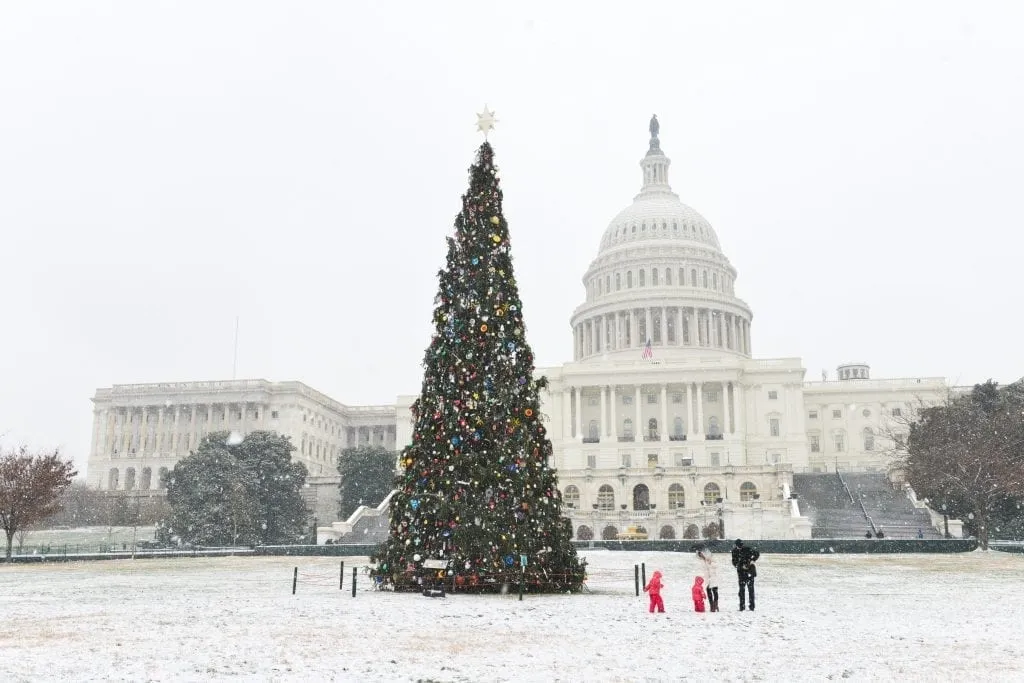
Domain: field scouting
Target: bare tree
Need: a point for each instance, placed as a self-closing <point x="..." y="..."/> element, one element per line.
<point x="967" y="453"/>
<point x="30" y="489"/>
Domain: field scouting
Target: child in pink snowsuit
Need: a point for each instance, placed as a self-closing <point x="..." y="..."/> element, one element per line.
<point x="698" y="594"/>
<point x="653" y="588"/>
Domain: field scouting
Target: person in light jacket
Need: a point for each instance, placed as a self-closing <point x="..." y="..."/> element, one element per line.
<point x="709" y="570"/>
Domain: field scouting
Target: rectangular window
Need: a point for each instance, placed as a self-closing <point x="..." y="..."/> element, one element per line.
<point x="712" y="396"/>
<point x="815" y="442"/>
<point x="773" y="425"/>
<point x="773" y="395"/>
<point x="683" y="461"/>
<point x="715" y="459"/>
<point x="677" y="398"/>
<point x="652" y="398"/>
<point x="592" y="462"/>
<point x="901" y="441"/>
<point x="627" y="460"/>
<point x="837" y="414"/>
<point x="627" y="400"/>
<point x="593" y="400"/>
<point x="812" y="415"/>
<point x="839" y="443"/>
<point x="776" y="458"/>
<point x="652" y="459"/>
<point x="897" y="412"/>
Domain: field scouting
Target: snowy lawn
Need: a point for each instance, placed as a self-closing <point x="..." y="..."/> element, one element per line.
<point x="859" y="617"/>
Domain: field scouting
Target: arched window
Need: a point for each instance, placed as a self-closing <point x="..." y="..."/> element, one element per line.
<point x="678" y="428"/>
<point x="714" y="281"/>
<point x="609" y="533"/>
<point x="147" y="478"/>
<point x="692" y="532"/>
<point x="629" y="279"/>
<point x="748" y="491"/>
<point x="593" y="432"/>
<point x="643" y="282"/>
<point x="129" y="479"/>
<point x="113" y="478"/>
<point x="654" y="277"/>
<point x="676" y="497"/>
<point x="667" y="533"/>
<point x="711" y="493"/>
<point x="693" y="277"/>
<point x="652" y="429"/>
<point x="627" y="428"/>
<point x="607" y="283"/>
<point x="668" y="276"/>
<point x="869" y="439"/>
<point x="705" y="279"/>
<point x="618" y="281"/>
<point x="571" y="497"/>
<point x="162" y="483"/>
<point x="584" y="533"/>
<point x="641" y="497"/>
<point x="605" y="498"/>
<point x="682" y="276"/>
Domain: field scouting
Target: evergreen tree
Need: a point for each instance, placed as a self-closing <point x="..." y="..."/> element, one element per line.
<point x="246" y="493"/>
<point x="475" y="486"/>
<point x="367" y="474"/>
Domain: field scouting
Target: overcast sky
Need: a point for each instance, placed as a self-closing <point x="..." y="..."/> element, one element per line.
<point x="168" y="166"/>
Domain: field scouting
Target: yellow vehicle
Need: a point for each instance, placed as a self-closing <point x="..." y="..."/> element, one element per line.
<point x="632" y="533"/>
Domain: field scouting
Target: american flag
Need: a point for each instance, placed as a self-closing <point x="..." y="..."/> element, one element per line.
<point x="648" y="352"/>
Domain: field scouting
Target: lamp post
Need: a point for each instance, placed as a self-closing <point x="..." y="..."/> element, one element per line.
<point x="945" y="522"/>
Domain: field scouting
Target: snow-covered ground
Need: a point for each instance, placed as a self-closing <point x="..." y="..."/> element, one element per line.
<point x="819" y="617"/>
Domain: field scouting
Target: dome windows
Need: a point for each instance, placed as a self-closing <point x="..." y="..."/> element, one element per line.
<point x="654" y="277"/>
<point x="668" y="276"/>
<point x="618" y="281"/>
<point x="629" y="279"/>
<point x="643" y="282"/>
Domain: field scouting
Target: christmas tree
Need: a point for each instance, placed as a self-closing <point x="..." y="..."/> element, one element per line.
<point x="477" y="501"/>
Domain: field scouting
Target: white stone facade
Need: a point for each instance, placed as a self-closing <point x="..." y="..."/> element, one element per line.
<point x="142" y="430"/>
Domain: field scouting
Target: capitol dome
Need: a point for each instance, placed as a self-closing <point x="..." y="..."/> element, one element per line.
<point x="660" y="279"/>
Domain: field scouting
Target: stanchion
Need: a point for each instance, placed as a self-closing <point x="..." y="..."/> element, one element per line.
<point x="643" y="573"/>
<point x="295" y="580"/>
<point x="636" y="579"/>
<point x="353" y="582"/>
<point x="341" y="576"/>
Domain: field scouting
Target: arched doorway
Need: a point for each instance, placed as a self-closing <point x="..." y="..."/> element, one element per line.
<point x="610" y="533"/>
<point x="585" y="533"/>
<point x="641" y="497"/>
<point x="667" y="533"/>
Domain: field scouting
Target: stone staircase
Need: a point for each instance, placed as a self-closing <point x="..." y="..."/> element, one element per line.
<point x="867" y="501"/>
<point x="889" y="507"/>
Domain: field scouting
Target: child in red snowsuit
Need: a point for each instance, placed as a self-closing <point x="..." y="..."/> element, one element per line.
<point x="653" y="588"/>
<point x="698" y="594"/>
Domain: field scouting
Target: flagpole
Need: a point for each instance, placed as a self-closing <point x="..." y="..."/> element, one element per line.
<point x="234" y="364"/>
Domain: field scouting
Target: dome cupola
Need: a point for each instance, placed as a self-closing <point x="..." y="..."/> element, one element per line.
<point x="660" y="276"/>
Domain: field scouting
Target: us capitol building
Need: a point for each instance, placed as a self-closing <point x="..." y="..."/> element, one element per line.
<point x="663" y="423"/>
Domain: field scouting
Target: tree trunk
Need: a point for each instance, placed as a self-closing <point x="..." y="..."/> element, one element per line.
<point x="10" y="541"/>
<point x="982" y="529"/>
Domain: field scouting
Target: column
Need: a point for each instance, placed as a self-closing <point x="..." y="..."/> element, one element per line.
<point x="602" y="423"/>
<point x="699" y="325"/>
<point x="159" y="431"/>
<point x="175" y="438"/>
<point x="637" y="427"/>
<point x="689" y="410"/>
<point x="618" y="330"/>
<point x="567" y="413"/>
<point x="192" y="426"/>
<point x="647" y="332"/>
<point x="664" y="412"/>
<point x="140" y="448"/>
<point x="712" y="328"/>
<point x="579" y="413"/>
<point x="612" y="402"/>
<point x="679" y="326"/>
<point x="664" y="326"/>
<point x="740" y="407"/>
<point x="726" y="400"/>
<point x="700" y="410"/>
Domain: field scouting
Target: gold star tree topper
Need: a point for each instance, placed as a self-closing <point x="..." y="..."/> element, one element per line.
<point x="485" y="121"/>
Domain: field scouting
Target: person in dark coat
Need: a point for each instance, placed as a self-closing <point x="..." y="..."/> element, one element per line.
<point x="744" y="558"/>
